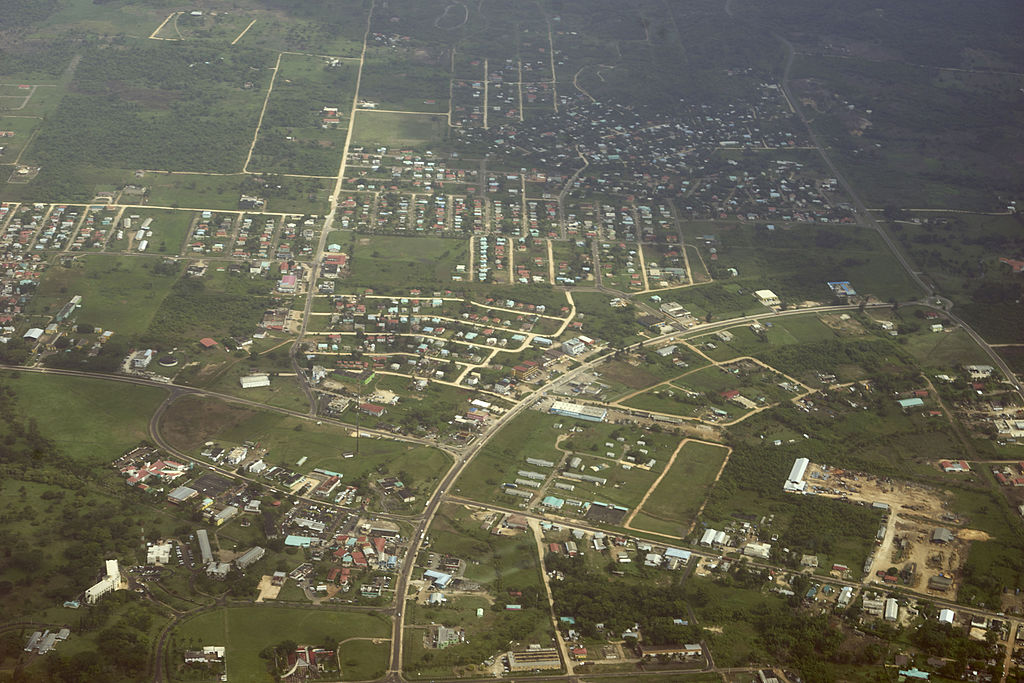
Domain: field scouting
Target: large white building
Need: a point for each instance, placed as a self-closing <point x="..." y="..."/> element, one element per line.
<point x="767" y="297"/>
<point x="795" y="480"/>
<point x="260" y="379"/>
<point x="110" y="582"/>
<point x="579" y="411"/>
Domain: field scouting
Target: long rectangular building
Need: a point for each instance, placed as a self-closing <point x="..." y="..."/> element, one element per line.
<point x="541" y="658"/>
<point x="795" y="480"/>
<point x="204" y="546"/>
<point x="579" y="411"/>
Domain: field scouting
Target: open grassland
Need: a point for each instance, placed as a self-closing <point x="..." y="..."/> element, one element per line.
<point x="90" y="420"/>
<point x="119" y="293"/>
<point x="418" y="131"/>
<point x="397" y="264"/>
<point x="675" y="499"/>
<point x="247" y="631"/>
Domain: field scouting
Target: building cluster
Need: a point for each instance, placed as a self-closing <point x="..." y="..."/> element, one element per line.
<point x="42" y="642"/>
<point x="144" y="467"/>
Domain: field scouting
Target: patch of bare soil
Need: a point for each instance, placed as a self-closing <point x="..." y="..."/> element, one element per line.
<point x="191" y="421"/>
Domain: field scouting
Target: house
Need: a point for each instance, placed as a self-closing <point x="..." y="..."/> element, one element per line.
<point x="573" y="347"/>
<point x="207" y="343"/>
<point x="441" y="636"/>
<point x="946" y="616"/>
<point x="372" y="410"/>
<point x="942" y="535"/>
<point x="1016" y="265"/>
<point x="209" y="653"/>
<point x="954" y="466"/>
<point x="288" y="284"/>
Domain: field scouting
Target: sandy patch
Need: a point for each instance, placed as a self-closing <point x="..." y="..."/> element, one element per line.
<point x="267" y="591"/>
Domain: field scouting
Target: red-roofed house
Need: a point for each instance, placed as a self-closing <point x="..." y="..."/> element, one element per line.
<point x="207" y="342"/>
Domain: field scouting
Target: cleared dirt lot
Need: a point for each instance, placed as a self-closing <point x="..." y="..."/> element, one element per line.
<point x="914" y="512"/>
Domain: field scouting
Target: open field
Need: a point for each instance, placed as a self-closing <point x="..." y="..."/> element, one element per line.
<point x="396" y="264"/>
<point x="86" y="419"/>
<point x="676" y="498"/>
<point x="306" y="118"/>
<point x="246" y="631"/>
<point x="418" y="131"/>
<point x="119" y="293"/>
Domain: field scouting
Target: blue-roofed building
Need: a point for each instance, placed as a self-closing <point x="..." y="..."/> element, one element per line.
<point x="915" y="673"/>
<point x="298" y="541"/>
<point x="438" y="579"/>
<point x="552" y="502"/>
<point x="677" y="554"/>
<point x="910" y="403"/>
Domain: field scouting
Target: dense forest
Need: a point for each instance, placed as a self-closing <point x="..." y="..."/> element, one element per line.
<point x="166" y="106"/>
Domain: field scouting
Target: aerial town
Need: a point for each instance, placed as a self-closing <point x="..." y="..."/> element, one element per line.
<point x="402" y="340"/>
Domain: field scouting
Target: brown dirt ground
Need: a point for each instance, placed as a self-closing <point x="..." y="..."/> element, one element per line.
<point x="191" y="421"/>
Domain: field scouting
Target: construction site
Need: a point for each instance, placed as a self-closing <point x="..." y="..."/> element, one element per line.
<point x="921" y="544"/>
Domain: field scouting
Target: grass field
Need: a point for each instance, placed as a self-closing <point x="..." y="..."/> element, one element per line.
<point x="944" y="350"/>
<point x="362" y="659"/>
<point x="23" y="129"/>
<point x="680" y="493"/>
<point x="119" y="293"/>
<point x="90" y="420"/>
<point x="246" y="631"/>
<point x="396" y="264"/>
<point x="399" y="130"/>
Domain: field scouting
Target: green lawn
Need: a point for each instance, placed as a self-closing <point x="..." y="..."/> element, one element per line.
<point x="400" y="130"/>
<point x="90" y="420"/>
<point x="397" y="264"/>
<point x="119" y="293"/>
<point x="678" y="496"/>
<point x="363" y="660"/>
<point x="246" y="631"/>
